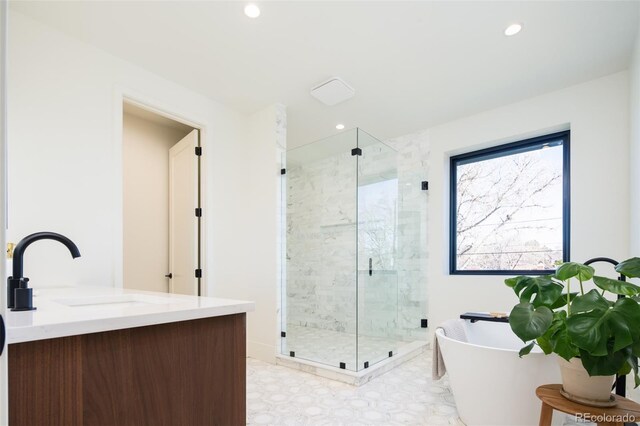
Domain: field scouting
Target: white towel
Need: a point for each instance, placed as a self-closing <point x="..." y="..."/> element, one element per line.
<point x="454" y="329"/>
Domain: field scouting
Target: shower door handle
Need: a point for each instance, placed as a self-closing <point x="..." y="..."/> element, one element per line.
<point x="370" y="266"/>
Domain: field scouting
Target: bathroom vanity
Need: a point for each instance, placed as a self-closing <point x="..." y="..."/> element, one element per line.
<point x="106" y="356"/>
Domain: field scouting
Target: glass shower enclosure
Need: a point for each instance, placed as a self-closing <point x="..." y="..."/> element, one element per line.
<point x="354" y="235"/>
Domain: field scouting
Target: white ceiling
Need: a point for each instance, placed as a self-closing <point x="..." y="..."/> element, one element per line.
<point x="413" y="64"/>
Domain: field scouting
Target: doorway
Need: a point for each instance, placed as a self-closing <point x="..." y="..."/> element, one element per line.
<point x="161" y="203"/>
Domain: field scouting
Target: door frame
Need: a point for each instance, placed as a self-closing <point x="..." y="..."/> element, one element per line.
<point x="125" y="95"/>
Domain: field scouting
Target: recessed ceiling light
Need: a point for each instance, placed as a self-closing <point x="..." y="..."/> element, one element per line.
<point x="513" y="29"/>
<point x="340" y="126"/>
<point x="252" y="10"/>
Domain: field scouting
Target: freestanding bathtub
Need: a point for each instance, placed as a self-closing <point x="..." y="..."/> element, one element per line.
<point x="491" y="385"/>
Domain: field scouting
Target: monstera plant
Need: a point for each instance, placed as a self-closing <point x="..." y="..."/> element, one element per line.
<point x="557" y="314"/>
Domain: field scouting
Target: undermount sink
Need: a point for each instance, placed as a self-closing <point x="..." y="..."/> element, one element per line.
<point x="120" y="300"/>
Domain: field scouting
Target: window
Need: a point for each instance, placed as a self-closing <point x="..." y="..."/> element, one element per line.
<point x="510" y="208"/>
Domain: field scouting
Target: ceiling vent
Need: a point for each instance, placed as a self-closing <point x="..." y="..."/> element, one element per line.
<point x="333" y="91"/>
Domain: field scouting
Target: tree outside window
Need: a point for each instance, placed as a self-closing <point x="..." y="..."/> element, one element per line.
<point x="510" y="207"/>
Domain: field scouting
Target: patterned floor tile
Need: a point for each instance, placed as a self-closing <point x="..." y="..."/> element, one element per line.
<point x="281" y="396"/>
<point x="278" y="395"/>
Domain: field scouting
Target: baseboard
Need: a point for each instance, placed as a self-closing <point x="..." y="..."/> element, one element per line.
<point x="261" y="351"/>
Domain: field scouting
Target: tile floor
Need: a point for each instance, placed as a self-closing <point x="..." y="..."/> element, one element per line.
<point x="406" y="395"/>
<point x="281" y="396"/>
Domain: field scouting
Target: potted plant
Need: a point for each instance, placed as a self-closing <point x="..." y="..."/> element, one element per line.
<point x="595" y="337"/>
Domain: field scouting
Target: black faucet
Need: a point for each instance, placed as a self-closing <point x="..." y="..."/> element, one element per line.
<point x="19" y="295"/>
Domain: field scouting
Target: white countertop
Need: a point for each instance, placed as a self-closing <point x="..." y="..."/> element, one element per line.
<point x="82" y="310"/>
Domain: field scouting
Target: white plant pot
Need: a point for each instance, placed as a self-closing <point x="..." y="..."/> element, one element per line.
<point x="578" y="386"/>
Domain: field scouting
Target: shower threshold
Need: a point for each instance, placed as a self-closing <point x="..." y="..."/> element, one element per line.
<point x="405" y="353"/>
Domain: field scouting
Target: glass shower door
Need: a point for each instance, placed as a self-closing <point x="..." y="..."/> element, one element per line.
<point x="354" y="249"/>
<point x="377" y="247"/>
<point x="319" y="298"/>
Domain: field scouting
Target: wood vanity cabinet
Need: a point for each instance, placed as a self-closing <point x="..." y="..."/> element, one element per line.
<point x="175" y="374"/>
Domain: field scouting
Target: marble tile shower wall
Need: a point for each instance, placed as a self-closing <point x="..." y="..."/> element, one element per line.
<point x="321" y="244"/>
<point x="411" y="256"/>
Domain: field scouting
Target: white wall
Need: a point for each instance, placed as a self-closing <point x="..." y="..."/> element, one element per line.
<point x="65" y="162"/>
<point x="598" y="115"/>
<point x="65" y="149"/>
<point x="255" y="231"/>
<point x="634" y="164"/>
<point x="145" y="154"/>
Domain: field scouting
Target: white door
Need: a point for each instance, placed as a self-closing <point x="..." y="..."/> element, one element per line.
<point x="183" y="224"/>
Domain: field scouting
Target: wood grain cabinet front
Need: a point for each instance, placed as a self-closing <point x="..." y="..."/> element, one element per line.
<point x="188" y="373"/>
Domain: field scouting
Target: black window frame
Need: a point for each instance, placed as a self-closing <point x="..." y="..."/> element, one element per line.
<point x="504" y="150"/>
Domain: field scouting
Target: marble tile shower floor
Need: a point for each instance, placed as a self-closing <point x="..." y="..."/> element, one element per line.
<point x="332" y="347"/>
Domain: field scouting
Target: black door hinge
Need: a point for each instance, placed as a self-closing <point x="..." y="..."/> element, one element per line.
<point x="283" y="171"/>
<point x="198" y="273"/>
<point x="425" y="185"/>
<point x="198" y="151"/>
<point x="356" y="151"/>
<point x="424" y="323"/>
<point x="198" y="211"/>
